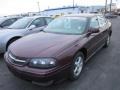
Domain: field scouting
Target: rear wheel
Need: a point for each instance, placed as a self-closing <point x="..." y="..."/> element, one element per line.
<point x="77" y="66"/>
<point x="107" y="43"/>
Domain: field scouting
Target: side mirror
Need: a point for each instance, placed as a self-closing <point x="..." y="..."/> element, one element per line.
<point x="93" y="30"/>
<point x="32" y="27"/>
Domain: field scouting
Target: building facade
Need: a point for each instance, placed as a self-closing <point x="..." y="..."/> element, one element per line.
<point x="64" y="10"/>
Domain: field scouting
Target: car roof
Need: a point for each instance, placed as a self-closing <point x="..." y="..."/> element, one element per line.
<point x="11" y="17"/>
<point x="6" y="18"/>
<point x="34" y="17"/>
<point x="87" y="15"/>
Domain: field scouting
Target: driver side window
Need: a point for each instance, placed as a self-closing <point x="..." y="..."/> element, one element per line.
<point x="39" y="22"/>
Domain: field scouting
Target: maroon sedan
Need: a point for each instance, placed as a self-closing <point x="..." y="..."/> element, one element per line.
<point x="60" y="50"/>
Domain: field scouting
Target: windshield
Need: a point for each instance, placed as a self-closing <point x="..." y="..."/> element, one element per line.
<point x="2" y="20"/>
<point x="67" y="25"/>
<point x="21" y="23"/>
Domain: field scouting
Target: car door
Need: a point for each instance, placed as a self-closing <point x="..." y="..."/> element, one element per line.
<point x="39" y="24"/>
<point x="94" y="39"/>
<point x="103" y="28"/>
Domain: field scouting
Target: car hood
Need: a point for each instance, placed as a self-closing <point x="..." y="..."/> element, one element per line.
<point x="42" y="45"/>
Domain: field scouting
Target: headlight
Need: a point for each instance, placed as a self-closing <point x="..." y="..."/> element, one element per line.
<point x="42" y="63"/>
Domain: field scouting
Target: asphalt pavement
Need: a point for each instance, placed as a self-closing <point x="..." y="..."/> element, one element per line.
<point x="102" y="72"/>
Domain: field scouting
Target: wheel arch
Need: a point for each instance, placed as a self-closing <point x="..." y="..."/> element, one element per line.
<point x="12" y="39"/>
<point x="110" y="33"/>
<point x="84" y="51"/>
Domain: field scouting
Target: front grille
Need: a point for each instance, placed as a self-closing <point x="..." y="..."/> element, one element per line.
<point x="16" y="60"/>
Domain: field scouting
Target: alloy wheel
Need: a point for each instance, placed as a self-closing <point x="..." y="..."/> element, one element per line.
<point x="78" y="66"/>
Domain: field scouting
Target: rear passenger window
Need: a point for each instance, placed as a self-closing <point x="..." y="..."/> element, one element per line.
<point x="48" y="20"/>
<point x="102" y="21"/>
<point x="94" y="23"/>
<point x="8" y="22"/>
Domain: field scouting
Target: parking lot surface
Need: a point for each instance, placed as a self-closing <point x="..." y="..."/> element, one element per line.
<point x="102" y="72"/>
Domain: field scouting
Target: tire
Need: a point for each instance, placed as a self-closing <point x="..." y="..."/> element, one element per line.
<point x="76" y="67"/>
<point x="107" y="42"/>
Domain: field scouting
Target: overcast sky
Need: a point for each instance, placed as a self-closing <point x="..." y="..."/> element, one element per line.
<point x="9" y="7"/>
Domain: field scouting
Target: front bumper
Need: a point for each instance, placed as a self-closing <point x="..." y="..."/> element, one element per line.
<point x="37" y="75"/>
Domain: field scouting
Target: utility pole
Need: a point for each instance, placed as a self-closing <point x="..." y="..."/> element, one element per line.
<point x="38" y="3"/>
<point x="73" y="4"/>
<point x="110" y="6"/>
<point x="105" y="6"/>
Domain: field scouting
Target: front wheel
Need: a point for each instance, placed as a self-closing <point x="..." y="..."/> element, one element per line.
<point x="77" y="66"/>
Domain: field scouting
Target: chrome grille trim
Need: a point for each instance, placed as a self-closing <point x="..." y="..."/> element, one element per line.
<point x="17" y="60"/>
<point x="13" y="59"/>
